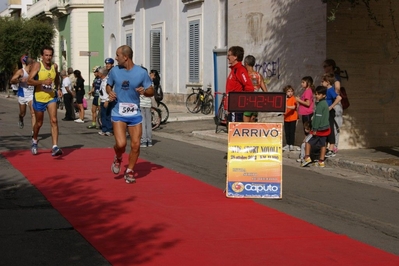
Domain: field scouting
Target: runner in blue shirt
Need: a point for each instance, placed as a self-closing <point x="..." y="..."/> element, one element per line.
<point x="126" y="82"/>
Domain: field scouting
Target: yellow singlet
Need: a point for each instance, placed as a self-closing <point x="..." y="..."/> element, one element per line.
<point x="45" y="93"/>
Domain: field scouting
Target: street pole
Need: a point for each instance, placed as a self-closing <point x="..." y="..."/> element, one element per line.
<point x="88" y="54"/>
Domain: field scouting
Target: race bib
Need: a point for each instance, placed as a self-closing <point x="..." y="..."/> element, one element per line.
<point x="47" y="88"/>
<point x="128" y="109"/>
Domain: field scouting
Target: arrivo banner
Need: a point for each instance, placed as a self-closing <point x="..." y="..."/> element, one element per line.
<point x="254" y="162"/>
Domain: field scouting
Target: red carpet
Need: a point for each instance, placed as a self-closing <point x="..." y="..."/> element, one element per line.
<point x="167" y="218"/>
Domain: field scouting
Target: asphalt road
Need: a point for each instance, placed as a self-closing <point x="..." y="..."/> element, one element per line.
<point x="32" y="233"/>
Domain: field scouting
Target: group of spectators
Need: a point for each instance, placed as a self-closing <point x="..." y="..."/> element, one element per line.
<point x="319" y="108"/>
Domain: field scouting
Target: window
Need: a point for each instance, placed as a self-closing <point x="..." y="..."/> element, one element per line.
<point x="155" y="52"/>
<point x="129" y="40"/>
<point x="193" y="51"/>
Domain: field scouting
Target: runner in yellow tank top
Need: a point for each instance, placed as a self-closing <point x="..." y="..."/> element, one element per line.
<point x="45" y="93"/>
<point x="44" y="76"/>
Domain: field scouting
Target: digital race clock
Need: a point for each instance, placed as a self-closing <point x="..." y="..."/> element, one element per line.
<point x="256" y="102"/>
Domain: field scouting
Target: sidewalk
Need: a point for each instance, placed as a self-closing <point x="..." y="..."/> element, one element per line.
<point x="382" y="162"/>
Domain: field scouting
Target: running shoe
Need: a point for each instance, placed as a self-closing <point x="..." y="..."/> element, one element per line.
<point x="330" y="154"/>
<point x="320" y="164"/>
<point x="143" y="144"/>
<point x="109" y="134"/>
<point x="101" y="133"/>
<point x="286" y="147"/>
<point x="129" y="177"/>
<point x="292" y="148"/>
<point x="34" y="148"/>
<point x="306" y="161"/>
<point x="79" y="120"/>
<point x="92" y="127"/>
<point x="116" y="165"/>
<point x="149" y="143"/>
<point x="56" y="151"/>
<point x="21" y="124"/>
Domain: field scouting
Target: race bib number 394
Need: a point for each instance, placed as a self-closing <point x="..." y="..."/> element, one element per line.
<point x="128" y="109"/>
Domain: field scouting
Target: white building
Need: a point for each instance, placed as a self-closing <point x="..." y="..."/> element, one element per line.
<point x="180" y="39"/>
<point x="79" y="32"/>
<point x="16" y="8"/>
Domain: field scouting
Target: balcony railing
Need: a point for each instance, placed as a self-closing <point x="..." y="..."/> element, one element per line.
<point x="47" y="7"/>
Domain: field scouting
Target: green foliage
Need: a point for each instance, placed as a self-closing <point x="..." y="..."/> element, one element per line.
<point x="20" y="36"/>
<point x="335" y="4"/>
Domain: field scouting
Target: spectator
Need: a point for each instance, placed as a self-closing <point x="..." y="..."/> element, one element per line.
<point x="80" y="93"/>
<point x="320" y="128"/>
<point x="238" y="79"/>
<point x="332" y="99"/>
<point x="290" y="118"/>
<point x="306" y="102"/>
<point x="257" y="82"/>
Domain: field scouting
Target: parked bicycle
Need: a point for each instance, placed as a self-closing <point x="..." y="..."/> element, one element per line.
<point x="156" y="117"/>
<point x="164" y="111"/>
<point x="221" y="115"/>
<point x="200" y="100"/>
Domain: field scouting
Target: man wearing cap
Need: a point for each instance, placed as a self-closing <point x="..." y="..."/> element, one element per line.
<point x="25" y="92"/>
<point x="95" y="92"/>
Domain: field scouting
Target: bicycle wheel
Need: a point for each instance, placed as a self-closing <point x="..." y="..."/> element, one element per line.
<point x="221" y="117"/>
<point x="155" y="117"/>
<point x="193" y="103"/>
<point x="164" y="112"/>
<point x="207" y="105"/>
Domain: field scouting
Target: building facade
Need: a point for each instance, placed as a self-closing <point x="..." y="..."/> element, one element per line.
<point x="178" y="38"/>
<point x="79" y="32"/>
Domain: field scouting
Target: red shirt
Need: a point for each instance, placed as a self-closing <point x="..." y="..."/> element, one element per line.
<point x="238" y="80"/>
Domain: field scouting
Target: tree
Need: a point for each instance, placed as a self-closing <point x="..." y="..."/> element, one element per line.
<point x="18" y="37"/>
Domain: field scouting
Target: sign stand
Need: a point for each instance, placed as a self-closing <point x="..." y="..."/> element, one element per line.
<point x="254" y="159"/>
<point x="89" y="54"/>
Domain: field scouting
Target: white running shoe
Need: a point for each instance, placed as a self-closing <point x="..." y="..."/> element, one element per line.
<point x="79" y="120"/>
<point x="286" y="148"/>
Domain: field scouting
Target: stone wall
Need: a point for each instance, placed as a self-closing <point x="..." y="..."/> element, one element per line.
<point x="291" y="39"/>
<point x="369" y="54"/>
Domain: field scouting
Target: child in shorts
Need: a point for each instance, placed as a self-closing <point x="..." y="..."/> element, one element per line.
<point x="320" y="128"/>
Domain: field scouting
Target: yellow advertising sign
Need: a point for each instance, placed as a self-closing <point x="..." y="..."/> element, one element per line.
<point x="254" y="160"/>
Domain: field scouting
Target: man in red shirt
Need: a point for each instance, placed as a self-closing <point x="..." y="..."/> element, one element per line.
<point x="238" y="79"/>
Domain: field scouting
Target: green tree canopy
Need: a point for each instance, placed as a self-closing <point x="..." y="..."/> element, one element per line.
<point x="21" y="36"/>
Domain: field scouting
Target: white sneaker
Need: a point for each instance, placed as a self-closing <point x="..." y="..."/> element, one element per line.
<point x="291" y="147"/>
<point x="79" y="120"/>
<point x="286" y="147"/>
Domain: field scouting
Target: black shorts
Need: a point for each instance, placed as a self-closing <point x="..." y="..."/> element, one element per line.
<point x="79" y="98"/>
<point x="235" y="117"/>
<point x="96" y="101"/>
<point x="317" y="141"/>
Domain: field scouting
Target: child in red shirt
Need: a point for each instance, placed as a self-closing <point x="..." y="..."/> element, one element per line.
<point x="290" y="118"/>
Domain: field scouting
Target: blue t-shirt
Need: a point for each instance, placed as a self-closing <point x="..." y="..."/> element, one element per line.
<point x="331" y="95"/>
<point x="124" y="83"/>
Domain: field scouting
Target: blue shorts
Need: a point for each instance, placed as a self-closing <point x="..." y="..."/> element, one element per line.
<point x="130" y="121"/>
<point x="42" y="107"/>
